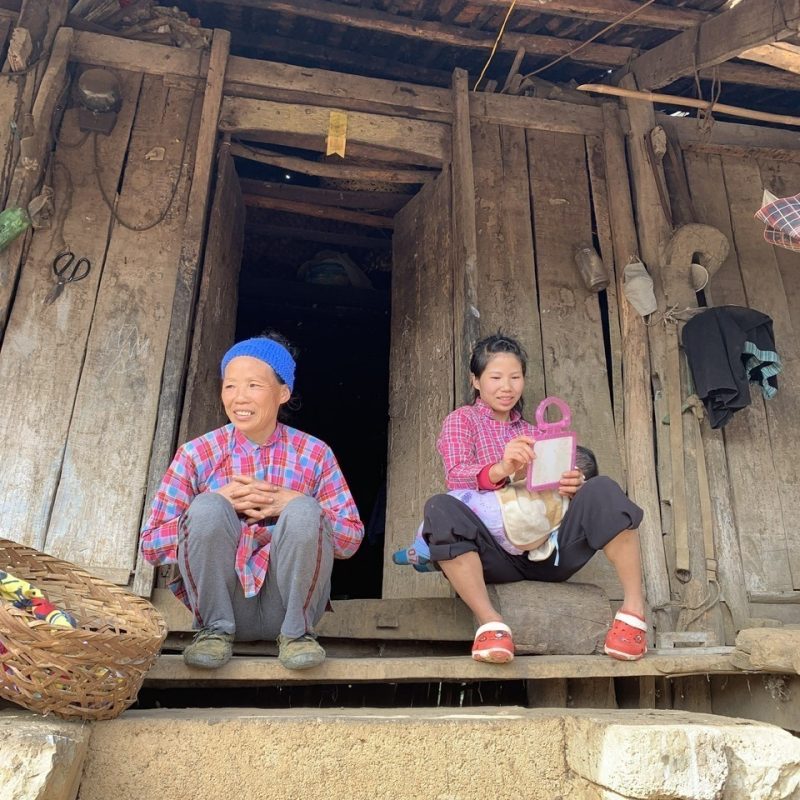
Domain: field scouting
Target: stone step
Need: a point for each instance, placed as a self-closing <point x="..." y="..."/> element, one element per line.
<point x="394" y="754"/>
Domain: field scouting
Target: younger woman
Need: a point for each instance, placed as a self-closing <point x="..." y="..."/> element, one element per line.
<point x="485" y="444"/>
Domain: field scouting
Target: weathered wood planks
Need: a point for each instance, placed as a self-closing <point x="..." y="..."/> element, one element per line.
<point x="215" y="320"/>
<point x="44" y="346"/>
<point x="751" y="467"/>
<point x="34" y="148"/>
<point x="764" y="289"/>
<point x="370" y="135"/>
<point x="507" y="293"/>
<point x="98" y="504"/>
<point x="572" y="337"/>
<point x="421" y="369"/>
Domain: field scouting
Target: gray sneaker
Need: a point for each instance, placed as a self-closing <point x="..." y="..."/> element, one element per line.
<point x="301" y="653"/>
<point x="210" y="649"/>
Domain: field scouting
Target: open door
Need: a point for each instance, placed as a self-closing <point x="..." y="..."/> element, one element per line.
<point x="215" y="321"/>
<point x="421" y="374"/>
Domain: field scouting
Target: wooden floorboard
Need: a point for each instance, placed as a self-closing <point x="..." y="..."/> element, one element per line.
<point x="170" y="670"/>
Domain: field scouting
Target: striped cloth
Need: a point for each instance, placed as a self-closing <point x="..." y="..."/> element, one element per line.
<point x="290" y="458"/>
<point x="782" y="218"/>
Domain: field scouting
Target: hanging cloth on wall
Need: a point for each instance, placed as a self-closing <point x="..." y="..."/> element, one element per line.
<point x="728" y="348"/>
<point x="782" y="218"/>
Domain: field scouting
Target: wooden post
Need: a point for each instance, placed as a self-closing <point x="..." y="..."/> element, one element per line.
<point x="34" y="150"/>
<point x="465" y="239"/>
<point x="639" y="442"/>
<point x="186" y="286"/>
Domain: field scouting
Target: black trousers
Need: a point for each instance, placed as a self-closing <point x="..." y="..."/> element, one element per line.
<point x="598" y="512"/>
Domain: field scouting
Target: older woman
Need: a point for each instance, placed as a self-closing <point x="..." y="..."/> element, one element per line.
<point x="253" y="514"/>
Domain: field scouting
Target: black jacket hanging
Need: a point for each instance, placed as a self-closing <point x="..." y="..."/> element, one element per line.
<point x="728" y="348"/>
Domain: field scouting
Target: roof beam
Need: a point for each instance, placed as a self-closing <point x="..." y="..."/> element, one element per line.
<point x="654" y="16"/>
<point x="781" y="55"/>
<point x="437" y="32"/>
<point x="341" y="198"/>
<point x="315" y="235"/>
<point x="318" y="211"/>
<point x="334" y="58"/>
<point x="750" y="24"/>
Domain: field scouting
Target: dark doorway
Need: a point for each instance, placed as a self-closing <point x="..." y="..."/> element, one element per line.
<point x="291" y="284"/>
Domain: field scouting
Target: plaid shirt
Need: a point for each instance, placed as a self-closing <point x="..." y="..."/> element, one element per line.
<point x="291" y="459"/>
<point x="472" y="439"/>
<point x="782" y="218"/>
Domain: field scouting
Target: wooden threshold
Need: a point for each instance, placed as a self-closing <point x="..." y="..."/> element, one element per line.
<point x="170" y="670"/>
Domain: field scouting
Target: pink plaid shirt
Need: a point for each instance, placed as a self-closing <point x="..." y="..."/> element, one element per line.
<point x="291" y="459"/>
<point x="472" y="439"/>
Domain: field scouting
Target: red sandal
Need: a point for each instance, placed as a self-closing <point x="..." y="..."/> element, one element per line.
<point x="493" y="643"/>
<point x="627" y="639"/>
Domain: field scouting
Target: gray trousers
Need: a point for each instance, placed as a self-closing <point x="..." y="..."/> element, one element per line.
<point x="298" y="582"/>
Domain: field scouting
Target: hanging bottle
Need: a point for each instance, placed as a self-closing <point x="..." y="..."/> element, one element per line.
<point x="592" y="269"/>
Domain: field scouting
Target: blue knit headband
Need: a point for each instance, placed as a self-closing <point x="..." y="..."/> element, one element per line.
<point x="266" y="350"/>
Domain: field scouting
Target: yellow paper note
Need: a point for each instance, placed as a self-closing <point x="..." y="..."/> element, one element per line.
<point x="337" y="134"/>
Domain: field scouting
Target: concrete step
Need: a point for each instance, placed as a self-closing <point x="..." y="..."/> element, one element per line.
<point x="394" y="754"/>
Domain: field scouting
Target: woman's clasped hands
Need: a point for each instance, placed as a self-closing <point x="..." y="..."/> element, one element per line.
<point x="255" y="499"/>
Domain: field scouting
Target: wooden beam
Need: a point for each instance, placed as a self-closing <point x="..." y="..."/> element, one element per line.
<point x="722" y="37"/>
<point x="751" y="75"/>
<point x="654" y="16"/>
<point x="638" y="414"/>
<point x="332" y="169"/>
<point x="688" y="102"/>
<point x="318" y="211"/>
<point x="117" y="53"/>
<point x="315" y="235"/>
<point x="439" y="33"/>
<point x="465" y="238"/>
<point x="781" y="55"/>
<point x="294" y="50"/>
<point x="34" y="151"/>
<point x="772" y="154"/>
<point x="364" y="201"/>
<point x="178" y="338"/>
<point x="536" y="113"/>
<point x="370" y="135"/>
<point x="731" y="134"/>
<point x="170" y="670"/>
<point x="269" y="80"/>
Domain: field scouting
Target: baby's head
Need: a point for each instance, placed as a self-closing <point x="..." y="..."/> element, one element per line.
<point x="586" y="462"/>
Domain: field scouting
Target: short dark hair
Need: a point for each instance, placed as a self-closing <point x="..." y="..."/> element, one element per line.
<point x="586" y="462"/>
<point x="490" y="346"/>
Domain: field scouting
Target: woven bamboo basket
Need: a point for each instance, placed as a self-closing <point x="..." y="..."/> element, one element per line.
<point x="93" y="672"/>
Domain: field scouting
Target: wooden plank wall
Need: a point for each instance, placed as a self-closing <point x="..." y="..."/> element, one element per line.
<point x="125" y="351"/>
<point x="75" y="484"/>
<point x="761" y="439"/>
<point x="421" y="375"/>
<point x="215" y="320"/>
<point x="44" y="346"/>
<point x="534" y="207"/>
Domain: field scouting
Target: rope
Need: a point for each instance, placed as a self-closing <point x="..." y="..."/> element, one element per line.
<point x="494" y="46"/>
<point x="597" y="35"/>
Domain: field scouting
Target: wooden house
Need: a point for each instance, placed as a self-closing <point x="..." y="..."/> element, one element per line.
<point x="464" y="206"/>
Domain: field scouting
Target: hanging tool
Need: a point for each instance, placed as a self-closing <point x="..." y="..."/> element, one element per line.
<point x="67" y="268"/>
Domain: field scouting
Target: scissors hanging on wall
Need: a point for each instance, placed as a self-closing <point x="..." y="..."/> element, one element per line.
<point x="67" y="268"/>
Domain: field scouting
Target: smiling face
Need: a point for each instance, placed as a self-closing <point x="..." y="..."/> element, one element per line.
<point x="501" y="383"/>
<point x="252" y="396"/>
